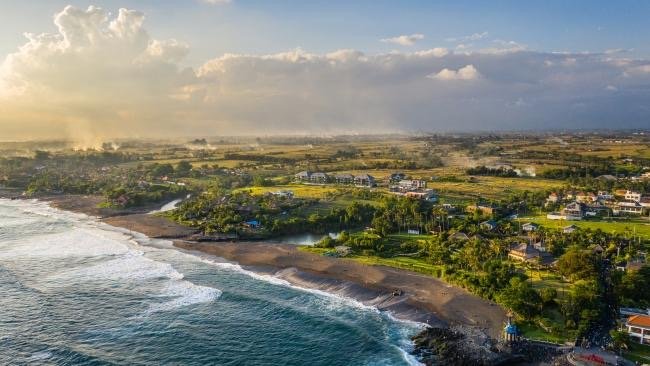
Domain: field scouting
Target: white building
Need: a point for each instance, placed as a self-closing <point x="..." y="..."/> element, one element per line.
<point x="638" y="326"/>
<point x="632" y="196"/>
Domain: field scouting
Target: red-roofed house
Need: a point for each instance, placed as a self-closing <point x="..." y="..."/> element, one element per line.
<point x="638" y="326"/>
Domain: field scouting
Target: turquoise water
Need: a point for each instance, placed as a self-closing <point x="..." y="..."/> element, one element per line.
<point x="78" y="292"/>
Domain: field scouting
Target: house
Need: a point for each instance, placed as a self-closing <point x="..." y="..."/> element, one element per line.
<point x="366" y="180"/>
<point x="597" y="249"/>
<point x="628" y="208"/>
<point x="344" y="178"/>
<point x="569" y="229"/>
<point x="524" y="252"/>
<point x="554" y="197"/>
<point x="488" y="225"/>
<point x="605" y="196"/>
<point x="484" y="208"/>
<point x="303" y="176"/>
<point x="529" y="227"/>
<point x="412" y="184"/>
<point x="645" y="175"/>
<point x="540" y="246"/>
<point x="284" y="193"/>
<point x="632" y="196"/>
<point x="638" y="327"/>
<point x="396" y="177"/>
<point x="318" y="177"/>
<point x="573" y="211"/>
<point x="426" y="195"/>
<point x="586" y="197"/>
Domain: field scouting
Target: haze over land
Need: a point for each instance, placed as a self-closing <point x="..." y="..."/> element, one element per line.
<point x="98" y="72"/>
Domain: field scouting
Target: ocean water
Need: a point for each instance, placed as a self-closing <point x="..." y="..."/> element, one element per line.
<point x="74" y="291"/>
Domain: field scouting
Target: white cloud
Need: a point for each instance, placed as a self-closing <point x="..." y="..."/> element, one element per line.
<point x="107" y="76"/>
<point x="469" y="38"/>
<point x="404" y="40"/>
<point x="467" y="72"/>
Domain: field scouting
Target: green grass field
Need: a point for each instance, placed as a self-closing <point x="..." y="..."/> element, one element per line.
<point x="632" y="226"/>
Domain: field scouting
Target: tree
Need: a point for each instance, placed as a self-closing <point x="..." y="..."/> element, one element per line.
<point x="620" y="340"/>
<point x="183" y="168"/>
<point x="578" y="264"/>
<point x="520" y="297"/>
<point x="548" y="295"/>
<point x="41" y="154"/>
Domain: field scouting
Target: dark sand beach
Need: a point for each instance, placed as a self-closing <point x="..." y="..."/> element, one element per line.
<point x="423" y="298"/>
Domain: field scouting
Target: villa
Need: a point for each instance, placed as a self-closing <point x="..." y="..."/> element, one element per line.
<point x="366" y="180"/>
<point x="344" y="178"/>
<point x="529" y="227"/>
<point x="638" y="326"/>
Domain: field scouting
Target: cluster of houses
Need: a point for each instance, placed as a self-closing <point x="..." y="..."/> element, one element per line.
<point x="414" y="188"/>
<point x="397" y="183"/>
<point x="361" y="180"/>
<point x="580" y="205"/>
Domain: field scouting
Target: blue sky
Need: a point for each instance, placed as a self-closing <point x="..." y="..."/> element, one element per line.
<point x="263" y="26"/>
<point x="194" y="67"/>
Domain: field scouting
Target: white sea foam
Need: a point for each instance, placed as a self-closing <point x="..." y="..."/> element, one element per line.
<point x="113" y="256"/>
<point x="184" y="293"/>
<point x="77" y="242"/>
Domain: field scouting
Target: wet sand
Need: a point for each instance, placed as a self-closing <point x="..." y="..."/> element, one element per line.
<point x="424" y="298"/>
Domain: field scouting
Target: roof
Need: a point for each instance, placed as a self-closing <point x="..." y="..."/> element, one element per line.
<point x="639" y="321"/>
<point x="364" y="176"/>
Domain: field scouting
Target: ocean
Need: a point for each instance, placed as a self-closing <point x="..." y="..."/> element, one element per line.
<point x="75" y="291"/>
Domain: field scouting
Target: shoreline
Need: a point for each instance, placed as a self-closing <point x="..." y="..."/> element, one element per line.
<point x="423" y="299"/>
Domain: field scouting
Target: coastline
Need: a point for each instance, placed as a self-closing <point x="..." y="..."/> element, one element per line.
<point x="424" y="299"/>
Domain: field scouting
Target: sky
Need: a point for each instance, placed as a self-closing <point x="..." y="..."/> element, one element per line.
<point x="216" y="67"/>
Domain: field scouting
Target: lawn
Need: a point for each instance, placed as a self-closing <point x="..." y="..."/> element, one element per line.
<point x="631" y="226"/>
<point x="534" y="332"/>
<point x="299" y="190"/>
<point x="638" y="353"/>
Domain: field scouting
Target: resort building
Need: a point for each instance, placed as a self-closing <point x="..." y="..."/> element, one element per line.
<point x="303" y="176"/>
<point x="638" y="326"/>
<point x="524" y="252"/>
<point x="411" y="184"/>
<point x="632" y="196"/>
<point x="319" y="178"/>
<point x="573" y="211"/>
<point x="628" y="208"/>
<point x="344" y="178"/>
<point x="366" y="180"/>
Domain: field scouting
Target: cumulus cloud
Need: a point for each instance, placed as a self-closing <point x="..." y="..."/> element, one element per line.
<point x="467" y="72"/>
<point x="468" y="38"/>
<point x="404" y="40"/>
<point x="99" y="75"/>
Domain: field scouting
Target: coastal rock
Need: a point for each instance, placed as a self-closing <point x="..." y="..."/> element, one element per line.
<point x="453" y="347"/>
